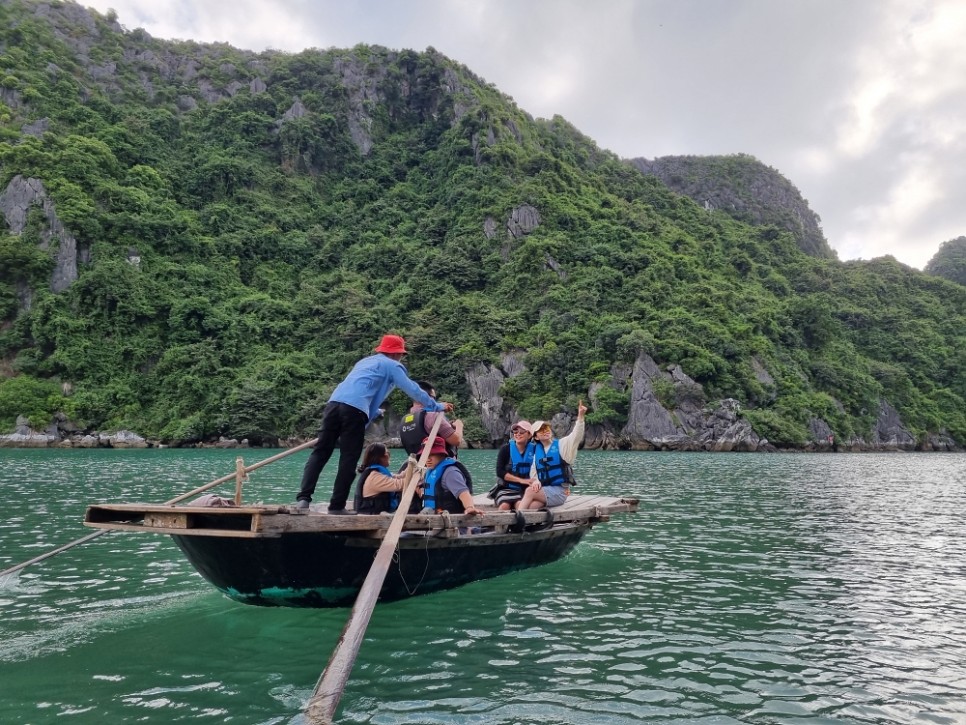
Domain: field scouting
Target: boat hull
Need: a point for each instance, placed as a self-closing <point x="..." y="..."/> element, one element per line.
<point x="323" y="569"/>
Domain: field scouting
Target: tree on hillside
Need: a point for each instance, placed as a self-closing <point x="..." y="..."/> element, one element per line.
<point x="950" y="261"/>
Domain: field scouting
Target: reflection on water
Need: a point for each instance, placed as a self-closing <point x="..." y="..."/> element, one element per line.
<point x="748" y="589"/>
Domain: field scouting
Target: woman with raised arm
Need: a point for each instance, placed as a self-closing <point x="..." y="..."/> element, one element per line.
<point x="552" y="464"/>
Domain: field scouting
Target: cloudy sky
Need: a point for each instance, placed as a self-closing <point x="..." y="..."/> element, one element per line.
<point x="859" y="103"/>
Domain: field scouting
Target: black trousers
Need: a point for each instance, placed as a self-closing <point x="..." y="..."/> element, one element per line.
<point x="343" y="425"/>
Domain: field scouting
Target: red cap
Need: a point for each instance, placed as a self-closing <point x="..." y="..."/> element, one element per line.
<point x="439" y="446"/>
<point x="392" y="344"/>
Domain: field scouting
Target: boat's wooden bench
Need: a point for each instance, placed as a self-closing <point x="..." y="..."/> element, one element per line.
<point x="274" y="520"/>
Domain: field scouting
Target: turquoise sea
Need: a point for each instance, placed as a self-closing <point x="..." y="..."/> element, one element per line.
<point x="786" y="588"/>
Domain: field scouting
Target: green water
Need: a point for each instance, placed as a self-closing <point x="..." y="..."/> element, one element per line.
<point x="748" y="589"/>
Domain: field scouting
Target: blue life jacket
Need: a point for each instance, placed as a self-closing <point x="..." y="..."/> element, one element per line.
<point x="435" y="494"/>
<point x="382" y="501"/>
<point x="552" y="470"/>
<point x="520" y="463"/>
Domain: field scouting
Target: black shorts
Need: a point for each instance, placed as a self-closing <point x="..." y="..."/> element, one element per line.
<point x="508" y="495"/>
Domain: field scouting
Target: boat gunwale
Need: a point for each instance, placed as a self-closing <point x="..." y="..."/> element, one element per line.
<point x="256" y="521"/>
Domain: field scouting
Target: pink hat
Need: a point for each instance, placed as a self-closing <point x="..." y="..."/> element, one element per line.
<point x="439" y="446"/>
<point x="523" y="424"/>
<point x="392" y="344"/>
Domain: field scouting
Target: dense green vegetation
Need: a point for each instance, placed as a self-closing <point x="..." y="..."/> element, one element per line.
<point x="950" y="261"/>
<point x="240" y="260"/>
<point x="743" y="188"/>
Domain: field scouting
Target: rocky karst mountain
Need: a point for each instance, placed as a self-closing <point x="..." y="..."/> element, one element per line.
<point x="200" y="240"/>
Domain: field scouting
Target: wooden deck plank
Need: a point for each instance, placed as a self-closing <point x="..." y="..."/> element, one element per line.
<point x="276" y="520"/>
<point x="263" y="510"/>
<point x="233" y="533"/>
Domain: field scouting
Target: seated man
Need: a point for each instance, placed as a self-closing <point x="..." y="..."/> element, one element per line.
<point x="448" y="486"/>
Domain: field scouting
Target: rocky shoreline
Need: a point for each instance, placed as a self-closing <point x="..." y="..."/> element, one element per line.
<point x="726" y="433"/>
<point x="668" y="411"/>
<point x="54" y="436"/>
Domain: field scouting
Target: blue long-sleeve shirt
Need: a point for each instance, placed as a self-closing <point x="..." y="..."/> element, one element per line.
<point x="371" y="380"/>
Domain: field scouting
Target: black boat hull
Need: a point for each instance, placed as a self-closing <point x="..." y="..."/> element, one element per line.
<point x="321" y="569"/>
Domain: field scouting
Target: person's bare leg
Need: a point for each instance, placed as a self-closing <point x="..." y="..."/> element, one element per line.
<point x="532" y="500"/>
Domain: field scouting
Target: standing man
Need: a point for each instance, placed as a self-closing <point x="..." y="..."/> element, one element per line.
<point x="353" y="405"/>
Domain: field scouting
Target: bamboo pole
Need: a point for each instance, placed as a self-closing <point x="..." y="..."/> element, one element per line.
<point x="176" y="499"/>
<point x="239" y="479"/>
<point x="325" y="699"/>
<point x="248" y="469"/>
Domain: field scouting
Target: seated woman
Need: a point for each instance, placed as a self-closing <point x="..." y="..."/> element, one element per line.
<point x="377" y="489"/>
<point x="513" y="464"/>
<point x="552" y="464"/>
<point x="448" y="485"/>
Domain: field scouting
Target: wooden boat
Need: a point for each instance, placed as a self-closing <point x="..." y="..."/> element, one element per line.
<point x="276" y="556"/>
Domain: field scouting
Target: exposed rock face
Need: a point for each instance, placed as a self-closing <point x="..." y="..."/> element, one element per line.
<point x="10" y="97"/>
<point x="889" y="431"/>
<point x="37" y="128"/>
<point x="688" y="425"/>
<point x="940" y="442"/>
<point x="24" y="436"/>
<point x="231" y="443"/>
<point x="424" y="97"/>
<point x="433" y="90"/>
<point x="16" y="200"/>
<point x="15" y="203"/>
<point x="764" y="377"/>
<point x="523" y="220"/>
<point x="363" y="90"/>
<point x="822" y="436"/>
<point x="489" y="227"/>
<point x="296" y="110"/>
<point x="62" y="434"/>
<point x="65" y="19"/>
<point x="726" y="431"/>
<point x="122" y="439"/>
<point x="485" y="382"/>
<point x="649" y="424"/>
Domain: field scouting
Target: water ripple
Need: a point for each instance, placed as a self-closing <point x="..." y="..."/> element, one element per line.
<point x="749" y="589"/>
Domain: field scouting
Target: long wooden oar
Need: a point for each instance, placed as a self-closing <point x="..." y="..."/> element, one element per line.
<point x="325" y="700"/>
<point x="182" y="497"/>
